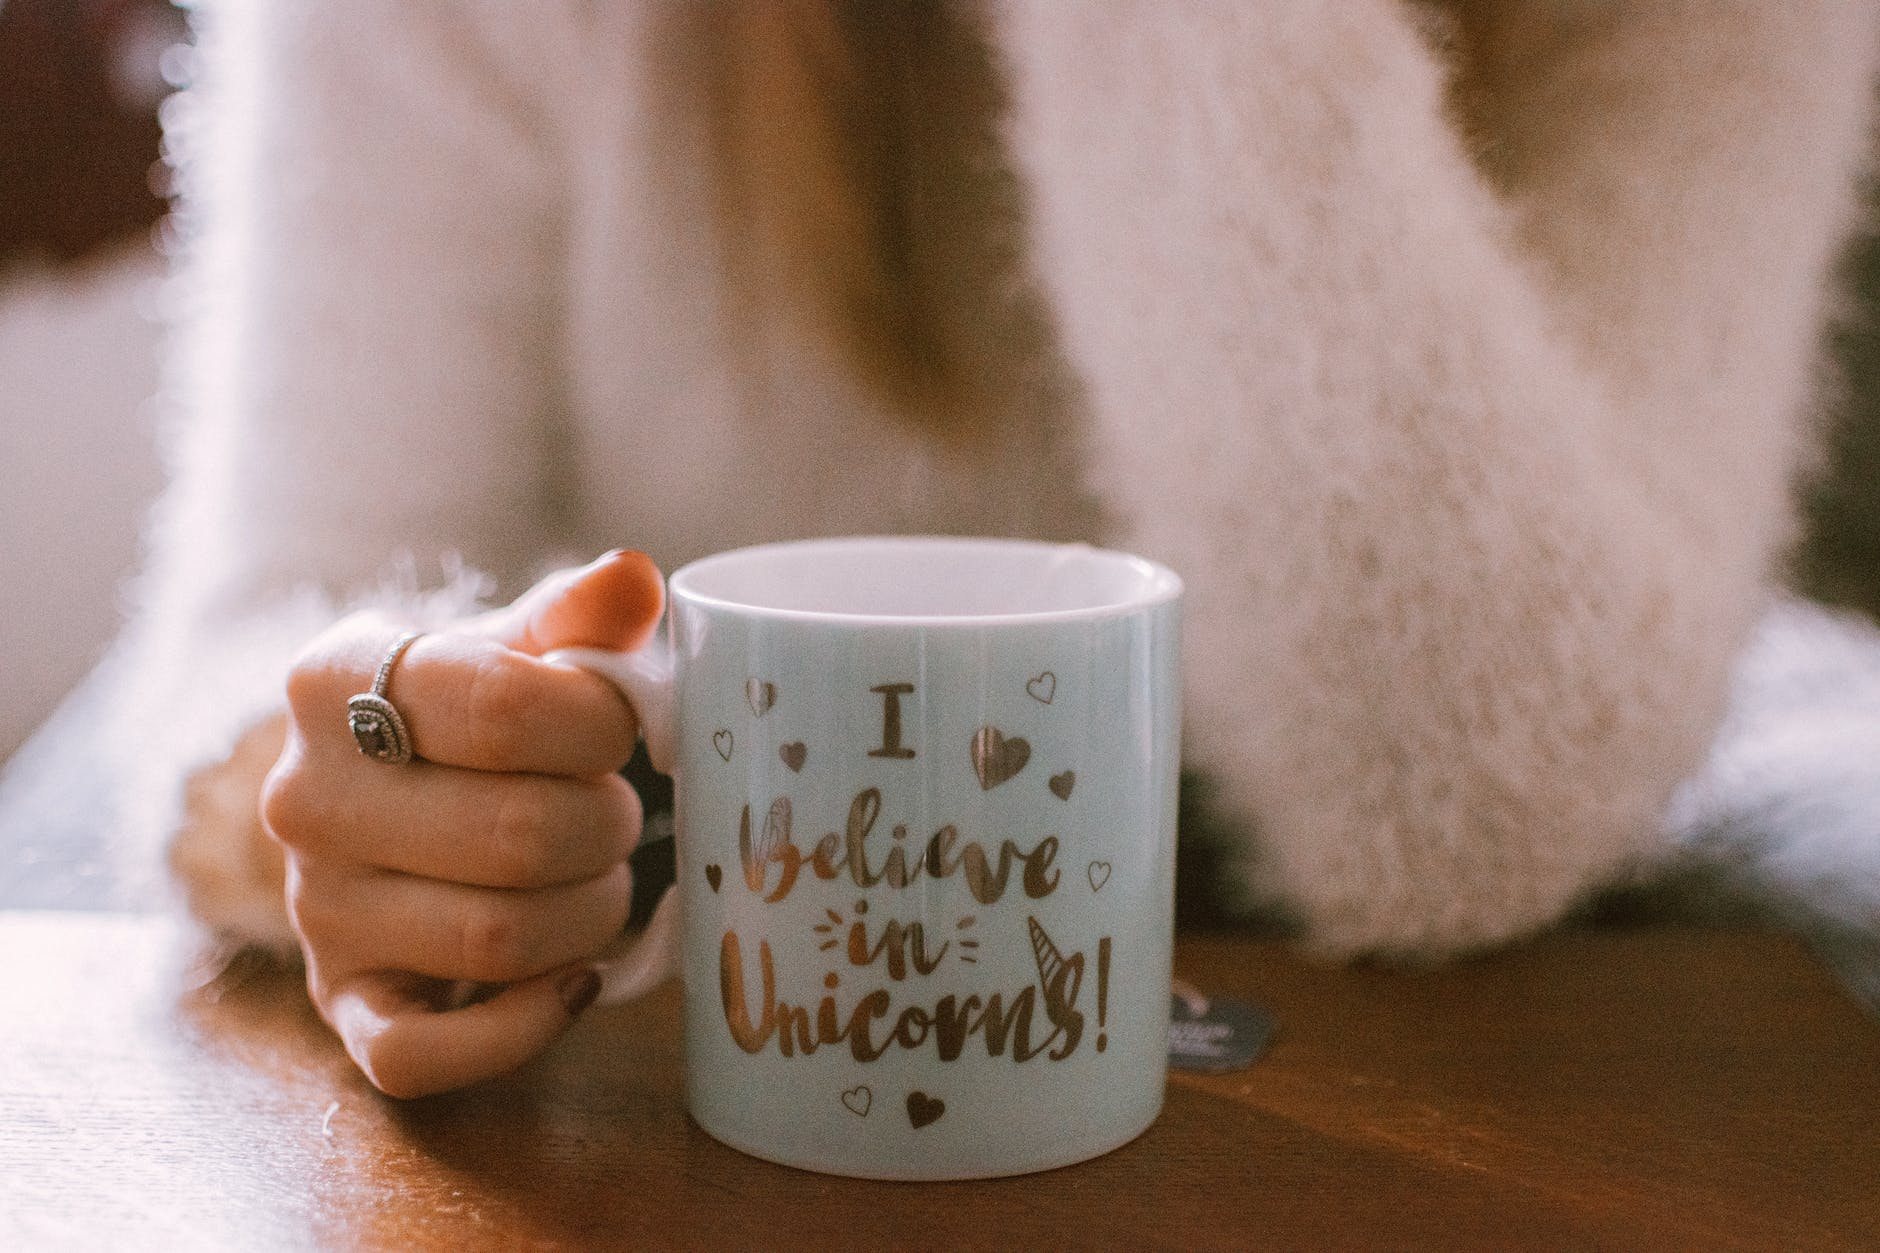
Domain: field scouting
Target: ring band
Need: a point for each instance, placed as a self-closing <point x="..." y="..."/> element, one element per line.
<point x="376" y="725"/>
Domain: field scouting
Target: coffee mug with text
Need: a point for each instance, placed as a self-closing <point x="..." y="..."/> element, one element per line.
<point x="925" y="817"/>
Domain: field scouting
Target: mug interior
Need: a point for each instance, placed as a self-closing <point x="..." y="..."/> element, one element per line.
<point x="926" y="579"/>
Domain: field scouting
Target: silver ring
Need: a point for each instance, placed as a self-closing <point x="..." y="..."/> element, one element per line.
<point x="377" y="728"/>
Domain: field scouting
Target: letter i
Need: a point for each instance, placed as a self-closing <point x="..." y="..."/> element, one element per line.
<point x="891" y="745"/>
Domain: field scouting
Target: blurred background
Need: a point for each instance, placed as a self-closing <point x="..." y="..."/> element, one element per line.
<point x="82" y="84"/>
<point x="81" y="186"/>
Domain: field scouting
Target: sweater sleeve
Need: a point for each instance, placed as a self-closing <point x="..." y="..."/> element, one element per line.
<point x="362" y="395"/>
<point x="1476" y="480"/>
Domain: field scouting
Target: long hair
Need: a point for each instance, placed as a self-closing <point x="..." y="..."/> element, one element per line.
<point x="862" y="164"/>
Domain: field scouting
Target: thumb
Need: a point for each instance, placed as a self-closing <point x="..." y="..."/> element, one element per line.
<point x="612" y="603"/>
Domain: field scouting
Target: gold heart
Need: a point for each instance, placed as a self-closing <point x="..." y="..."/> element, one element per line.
<point x="1099" y="873"/>
<point x="857" y="1099"/>
<point x="760" y="696"/>
<point x="721" y="740"/>
<point x="997" y="758"/>
<point x="1061" y="784"/>
<point x="923" y="1109"/>
<point x="793" y="755"/>
<point x="1042" y="688"/>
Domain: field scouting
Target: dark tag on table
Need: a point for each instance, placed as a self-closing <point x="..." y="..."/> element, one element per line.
<point x="1211" y="1034"/>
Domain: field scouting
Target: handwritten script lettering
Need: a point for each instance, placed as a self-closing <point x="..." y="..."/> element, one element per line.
<point x="835" y="855"/>
<point x="916" y="982"/>
<point x="997" y="1021"/>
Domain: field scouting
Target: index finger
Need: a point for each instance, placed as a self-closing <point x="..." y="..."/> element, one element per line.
<point x="467" y="701"/>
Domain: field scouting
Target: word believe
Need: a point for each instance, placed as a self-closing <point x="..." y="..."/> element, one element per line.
<point x="847" y="852"/>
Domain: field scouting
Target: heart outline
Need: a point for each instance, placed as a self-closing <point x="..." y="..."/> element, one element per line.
<point x="860" y="1095"/>
<point x="998" y="757"/>
<point x="1061" y="784"/>
<point x="923" y="1109"/>
<point x="1045" y="682"/>
<point x="1098" y="873"/>
<point x="723" y="740"/>
<point x="793" y="755"/>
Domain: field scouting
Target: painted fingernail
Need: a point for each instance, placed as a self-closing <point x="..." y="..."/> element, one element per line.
<point x="578" y="991"/>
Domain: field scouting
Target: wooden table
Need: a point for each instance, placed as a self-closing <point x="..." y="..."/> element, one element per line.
<point x="1628" y="1087"/>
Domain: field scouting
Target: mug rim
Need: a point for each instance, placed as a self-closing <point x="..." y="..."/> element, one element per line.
<point x="1160" y="585"/>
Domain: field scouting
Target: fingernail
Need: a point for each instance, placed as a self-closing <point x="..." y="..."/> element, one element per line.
<point x="614" y="604"/>
<point x="578" y="991"/>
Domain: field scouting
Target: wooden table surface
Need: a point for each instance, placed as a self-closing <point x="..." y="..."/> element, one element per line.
<point x="1627" y="1087"/>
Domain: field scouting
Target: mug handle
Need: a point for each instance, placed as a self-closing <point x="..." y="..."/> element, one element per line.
<point x="634" y="965"/>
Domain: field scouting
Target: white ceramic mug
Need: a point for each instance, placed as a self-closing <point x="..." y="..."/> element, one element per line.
<point x="925" y="814"/>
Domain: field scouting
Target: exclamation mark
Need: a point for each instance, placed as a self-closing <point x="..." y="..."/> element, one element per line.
<point x="1103" y="989"/>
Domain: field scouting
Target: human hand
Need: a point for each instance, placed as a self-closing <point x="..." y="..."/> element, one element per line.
<point x="496" y="856"/>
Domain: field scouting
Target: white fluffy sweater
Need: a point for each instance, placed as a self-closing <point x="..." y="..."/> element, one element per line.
<point x="1460" y="361"/>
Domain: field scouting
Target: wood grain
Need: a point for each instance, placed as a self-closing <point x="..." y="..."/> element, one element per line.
<point x="1621" y="1087"/>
